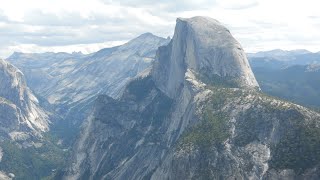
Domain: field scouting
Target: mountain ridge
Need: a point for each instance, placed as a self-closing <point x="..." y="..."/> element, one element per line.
<point x="71" y="82"/>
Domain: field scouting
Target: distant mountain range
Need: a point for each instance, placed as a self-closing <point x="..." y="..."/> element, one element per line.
<point x="280" y="58"/>
<point x="72" y="79"/>
<point x="291" y="75"/>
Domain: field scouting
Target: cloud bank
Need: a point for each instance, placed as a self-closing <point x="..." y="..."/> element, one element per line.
<point x="88" y="25"/>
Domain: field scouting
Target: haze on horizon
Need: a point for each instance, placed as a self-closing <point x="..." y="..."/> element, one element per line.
<point x="90" y="25"/>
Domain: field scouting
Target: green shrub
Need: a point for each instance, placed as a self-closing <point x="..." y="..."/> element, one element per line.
<point x="212" y="130"/>
<point x="298" y="149"/>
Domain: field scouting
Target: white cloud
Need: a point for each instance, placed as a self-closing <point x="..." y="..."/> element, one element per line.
<point x="86" y="25"/>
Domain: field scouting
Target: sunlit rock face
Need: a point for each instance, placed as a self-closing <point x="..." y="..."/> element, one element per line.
<point x="21" y="117"/>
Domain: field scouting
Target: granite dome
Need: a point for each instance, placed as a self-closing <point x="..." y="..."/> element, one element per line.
<point x="207" y="48"/>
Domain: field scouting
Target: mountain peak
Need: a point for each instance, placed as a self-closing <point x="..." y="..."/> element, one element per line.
<point x="138" y="45"/>
<point x="279" y="53"/>
<point x="15" y="54"/>
<point x="208" y="49"/>
<point x="147" y="34"/>
<point x="199" y="20"/>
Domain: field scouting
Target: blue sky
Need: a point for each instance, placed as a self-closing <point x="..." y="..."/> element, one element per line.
<point x="89" y="25"/>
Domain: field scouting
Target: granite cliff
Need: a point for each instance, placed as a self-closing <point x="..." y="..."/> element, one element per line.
<point x="21" y="116"/>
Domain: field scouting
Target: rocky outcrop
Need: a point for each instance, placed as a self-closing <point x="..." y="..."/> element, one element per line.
<point x="21" y="118"/>
<point x="198" y="114"/>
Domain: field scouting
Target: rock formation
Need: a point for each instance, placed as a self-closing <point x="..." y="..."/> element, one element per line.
<point x="198" y="114"/>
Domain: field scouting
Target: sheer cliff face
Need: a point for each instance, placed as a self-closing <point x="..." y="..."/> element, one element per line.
<point x="20" y="115"/>
<point x="198" y="114"/>
<point x="206" y="47"/>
